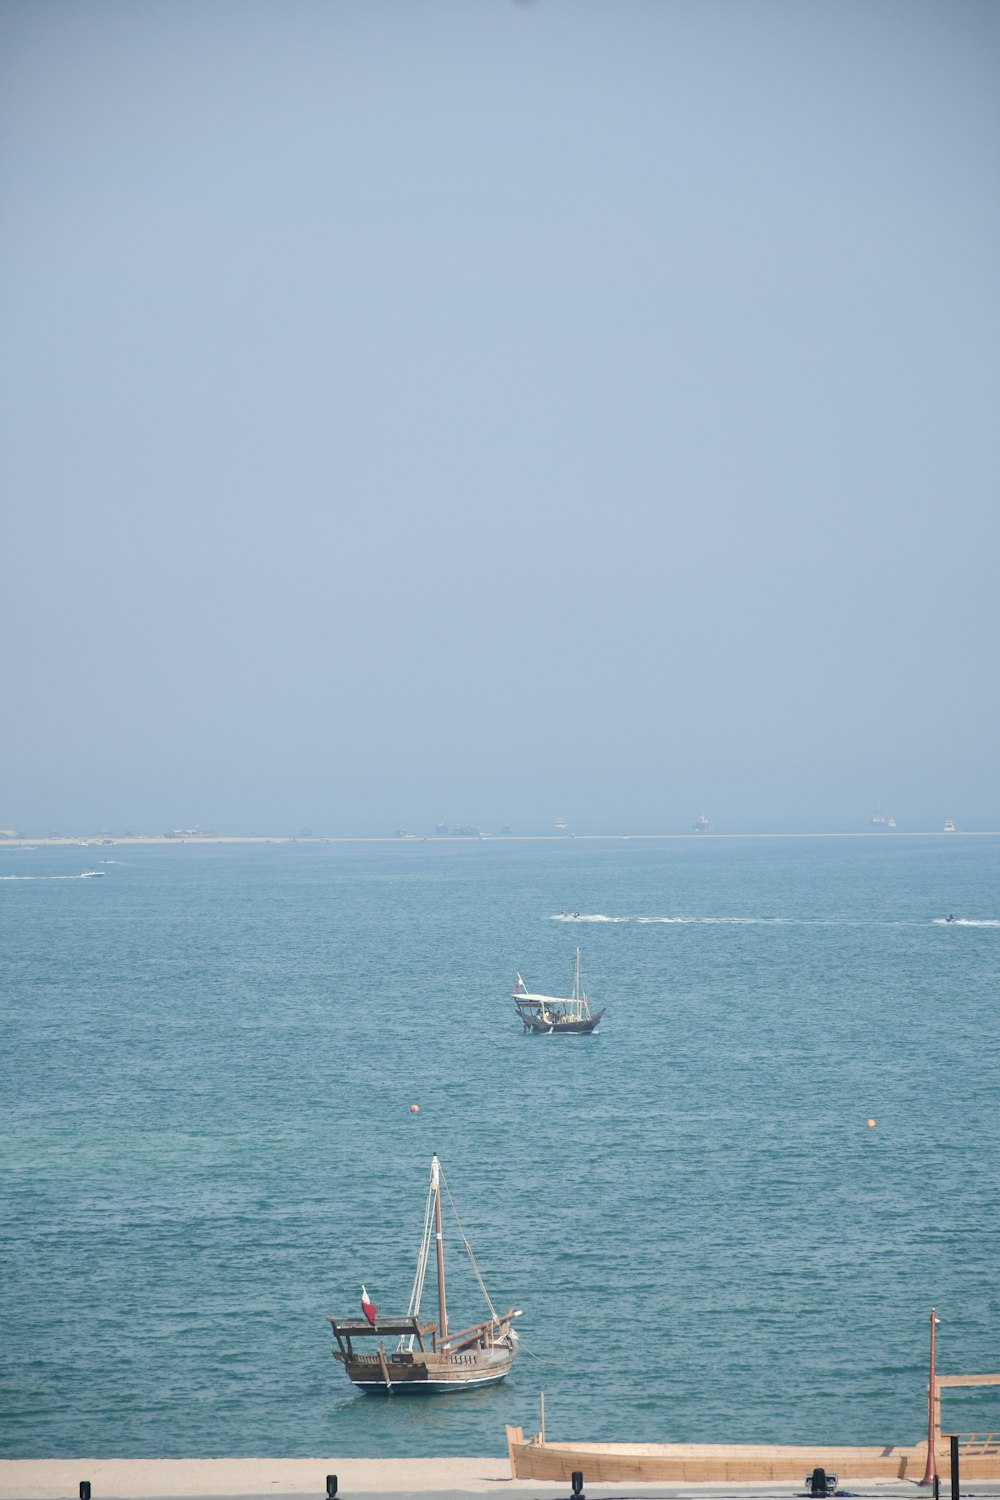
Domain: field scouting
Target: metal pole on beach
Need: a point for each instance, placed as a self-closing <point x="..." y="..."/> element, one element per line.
<point x="931" y="1467"/>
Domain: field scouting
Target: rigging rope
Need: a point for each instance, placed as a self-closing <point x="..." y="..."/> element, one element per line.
<point x="417" y="1291"/>
<point x="468" y="1249"/>
<point x="423" y="1255"/>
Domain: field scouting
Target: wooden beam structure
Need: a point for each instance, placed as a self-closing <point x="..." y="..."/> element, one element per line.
<point x="955" y="1380"/>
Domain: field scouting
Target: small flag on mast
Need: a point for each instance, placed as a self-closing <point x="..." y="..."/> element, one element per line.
<point x="368" y="1307"/>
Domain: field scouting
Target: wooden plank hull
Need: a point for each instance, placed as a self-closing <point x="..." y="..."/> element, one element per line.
<point x="406" y="1373"/>
<point x="627" y="1463"/>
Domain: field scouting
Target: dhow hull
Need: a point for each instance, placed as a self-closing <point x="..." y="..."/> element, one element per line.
<point x="433" y="1376"/>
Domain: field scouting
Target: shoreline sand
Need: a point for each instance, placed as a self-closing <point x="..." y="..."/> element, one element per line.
<point x="241" y="1478"/>
<point x="125" y="841"/>
<point x="145" y="1479"/>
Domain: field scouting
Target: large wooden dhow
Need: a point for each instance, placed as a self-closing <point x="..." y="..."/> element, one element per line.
<point x="737" y="1463"/>
<point x="973" y="1455"/>
<point x="426" y="1356"/>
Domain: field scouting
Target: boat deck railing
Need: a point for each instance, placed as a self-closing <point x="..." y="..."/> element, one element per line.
<point x="451" y="1359"/>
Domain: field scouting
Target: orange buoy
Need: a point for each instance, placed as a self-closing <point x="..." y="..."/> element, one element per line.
<point x="870" y="1124"/>
<point x="415" y="1110"/>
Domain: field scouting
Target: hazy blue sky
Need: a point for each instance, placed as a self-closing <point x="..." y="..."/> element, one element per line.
<point x="490" y="412"/>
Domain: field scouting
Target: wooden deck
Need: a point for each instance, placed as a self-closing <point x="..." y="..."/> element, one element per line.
<point x="624" y="1463"/>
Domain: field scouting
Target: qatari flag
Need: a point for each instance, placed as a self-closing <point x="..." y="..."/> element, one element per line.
<point x="368" y="1307"/>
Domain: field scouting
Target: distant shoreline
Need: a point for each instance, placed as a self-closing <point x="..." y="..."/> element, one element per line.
<point x="166" y="840"/>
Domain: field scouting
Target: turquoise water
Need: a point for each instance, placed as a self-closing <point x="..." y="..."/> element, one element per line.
<point x="208" y="1059"/>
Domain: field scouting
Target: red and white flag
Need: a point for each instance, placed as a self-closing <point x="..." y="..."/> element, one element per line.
<point x="368" y="1307"/>
<point x="519" y="986"/>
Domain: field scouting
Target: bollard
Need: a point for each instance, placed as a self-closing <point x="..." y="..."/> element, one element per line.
<point x="576" y="1480"/>
<point x="331" y="1486"/>
<point x="819" y="1482"/>
<point x="954" y="1466"/>
<point x="84" y="1489"/>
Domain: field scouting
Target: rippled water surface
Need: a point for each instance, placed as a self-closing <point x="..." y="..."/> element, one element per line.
<point x="208" y="1058"/>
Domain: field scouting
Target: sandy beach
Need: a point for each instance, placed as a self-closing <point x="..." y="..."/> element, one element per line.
<point x="374" y="1478"/>
<point x="144" y="1479"/>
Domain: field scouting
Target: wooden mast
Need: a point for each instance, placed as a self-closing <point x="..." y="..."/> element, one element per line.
<point x="436" y="1189"/>
<point x="580" y="1007"/>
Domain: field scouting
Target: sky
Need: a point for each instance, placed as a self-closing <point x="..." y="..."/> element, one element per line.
<point x="472" y="411"/>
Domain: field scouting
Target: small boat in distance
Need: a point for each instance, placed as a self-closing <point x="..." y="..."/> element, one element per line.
<point x="551" y="1014"/>
<point x="949" y="826"/>
<point x="428" y="1356"/>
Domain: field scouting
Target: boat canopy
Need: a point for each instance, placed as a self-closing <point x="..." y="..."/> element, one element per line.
<point x="524" y="995"/>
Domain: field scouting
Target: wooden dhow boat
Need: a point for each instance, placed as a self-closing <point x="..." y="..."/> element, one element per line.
<point x="975" y="1454"/>
<point x="736" y="1463"/>
<point x="427" y="1356"/>
<point x="705" y="1463"/>
<point x="549" y="1014"/>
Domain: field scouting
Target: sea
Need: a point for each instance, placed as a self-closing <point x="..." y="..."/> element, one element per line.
<point x="725" y="1217"/>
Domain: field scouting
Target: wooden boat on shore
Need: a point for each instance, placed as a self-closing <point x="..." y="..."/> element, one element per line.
<point x="427" y="1356"/>
<point x="974" y="1455"/>
<point x="550" y="1015"/>
<point x="728" y="1463"/>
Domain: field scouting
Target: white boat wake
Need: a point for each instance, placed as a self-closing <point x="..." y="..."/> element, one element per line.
<point x="576" y="916"/>
<point x="845" y="921"/>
